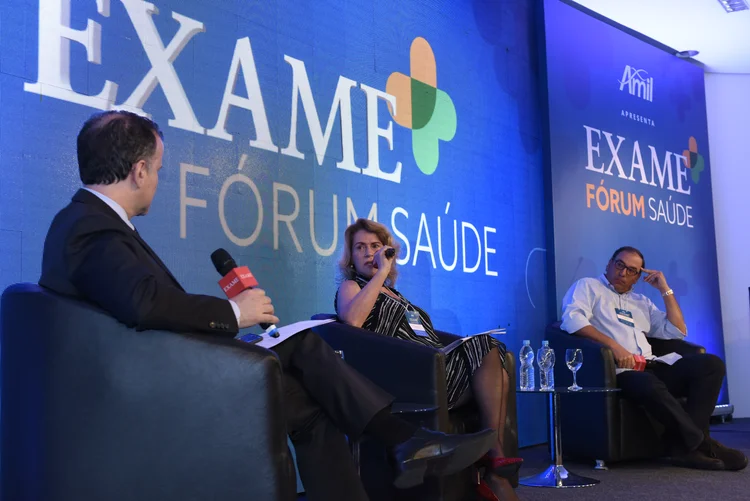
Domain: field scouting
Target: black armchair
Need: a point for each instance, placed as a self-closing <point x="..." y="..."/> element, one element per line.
<point x="606" y="426"/>
<point x="94" y="410"/>
<point x="414" y="374"/>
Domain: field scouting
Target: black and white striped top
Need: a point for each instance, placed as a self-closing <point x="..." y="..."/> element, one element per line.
<point x="388" y="317"/>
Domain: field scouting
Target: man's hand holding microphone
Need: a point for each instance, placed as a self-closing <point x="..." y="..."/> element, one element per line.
<point x="255" y="308"/>
<point x="623" y="358"/>
<point x="240" y="286"/>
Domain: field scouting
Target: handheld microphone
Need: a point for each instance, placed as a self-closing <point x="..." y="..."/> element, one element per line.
<point x="389" y="253"/>
<point x="235" y="280"/>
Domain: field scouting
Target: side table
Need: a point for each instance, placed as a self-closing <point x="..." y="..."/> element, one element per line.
<point x="557" y="476"/>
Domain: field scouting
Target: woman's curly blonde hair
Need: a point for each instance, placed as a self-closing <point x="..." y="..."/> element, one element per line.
<point x="346" y="263"/>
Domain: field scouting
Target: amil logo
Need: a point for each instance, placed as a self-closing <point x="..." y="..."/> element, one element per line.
<point x="422" y="107"/>
<point x="638" y="83"/>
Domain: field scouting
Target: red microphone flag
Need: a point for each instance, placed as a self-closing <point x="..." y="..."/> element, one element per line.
<point x="237" y="281"/>
<point x="640" y="363"/>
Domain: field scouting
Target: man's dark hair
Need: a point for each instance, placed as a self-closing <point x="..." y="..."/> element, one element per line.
<point x="111" y="142"/>
<point x="628" y="248"/>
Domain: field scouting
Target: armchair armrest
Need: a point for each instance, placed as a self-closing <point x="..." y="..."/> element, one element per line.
<point x="663" y="346"/>
<point x="410" y="372"/>
<point x="598" y="361"/>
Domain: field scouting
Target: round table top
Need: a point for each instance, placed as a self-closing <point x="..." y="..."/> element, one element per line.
<point x="564" y="389"/>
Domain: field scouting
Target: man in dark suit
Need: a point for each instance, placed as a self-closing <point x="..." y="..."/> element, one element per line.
<point x="93" y="252"/>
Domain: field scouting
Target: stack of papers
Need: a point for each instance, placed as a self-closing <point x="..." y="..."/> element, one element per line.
<point x="458" y="342"/>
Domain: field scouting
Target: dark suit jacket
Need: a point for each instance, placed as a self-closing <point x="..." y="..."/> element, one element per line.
<point x="91" y="254"/>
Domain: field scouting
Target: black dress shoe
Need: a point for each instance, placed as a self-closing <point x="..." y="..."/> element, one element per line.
<point x="733" y="459"/>
<point x="432" y="453"/>
<point x="698" y="459"/>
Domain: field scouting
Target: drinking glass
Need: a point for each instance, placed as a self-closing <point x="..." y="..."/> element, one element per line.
<point x="574" y="360"/>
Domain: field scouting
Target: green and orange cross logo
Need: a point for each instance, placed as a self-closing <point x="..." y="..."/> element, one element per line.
<point x="694" y="160"/>
<point x="422" y="107"/>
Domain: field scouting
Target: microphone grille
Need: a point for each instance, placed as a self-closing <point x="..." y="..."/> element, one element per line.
<point x="222" y="261"/>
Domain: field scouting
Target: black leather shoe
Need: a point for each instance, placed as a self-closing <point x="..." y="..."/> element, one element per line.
<point x="733" y="459"/>
<point x="432" y="453"/>
<point x="698" y="459"/>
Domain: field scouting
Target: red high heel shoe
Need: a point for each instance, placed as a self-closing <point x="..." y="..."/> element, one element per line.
<point x="502" y="467"/>
<point x="485" y="493"/>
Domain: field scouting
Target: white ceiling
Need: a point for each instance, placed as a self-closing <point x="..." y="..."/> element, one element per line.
<point x="722" y="39"/>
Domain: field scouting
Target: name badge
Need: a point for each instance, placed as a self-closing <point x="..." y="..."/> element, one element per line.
<point x="415" y="323"/>
<point x="625" y="317"/>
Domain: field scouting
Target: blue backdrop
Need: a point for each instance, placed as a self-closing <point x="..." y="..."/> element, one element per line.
<point x="630" y="164"/>
<point x="278" y="129"/>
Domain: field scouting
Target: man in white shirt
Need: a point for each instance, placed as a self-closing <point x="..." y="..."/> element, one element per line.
<point x="606" y="310"/>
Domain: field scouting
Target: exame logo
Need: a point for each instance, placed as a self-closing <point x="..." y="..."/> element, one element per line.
<point x="422" y="107"/>
<point x="638" y="83"/>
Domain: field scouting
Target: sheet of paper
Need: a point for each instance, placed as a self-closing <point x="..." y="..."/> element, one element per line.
<point x="492" y="332"/>
<point x="458" y="342"/>
<point x="669" y="358"/>
<point x="288" y="331"/>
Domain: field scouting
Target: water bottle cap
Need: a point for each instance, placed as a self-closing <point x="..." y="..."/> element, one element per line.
<point x="545" y="343"/>
<point x="526" y="341"/>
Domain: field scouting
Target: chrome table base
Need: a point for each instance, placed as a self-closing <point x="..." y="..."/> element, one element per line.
<point x="557" y="477"/>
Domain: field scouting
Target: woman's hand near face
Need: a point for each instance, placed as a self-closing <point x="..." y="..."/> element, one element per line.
<point x="355" y="304"/>
<point x="382" y="263"/>
<point x="369" y="261"/>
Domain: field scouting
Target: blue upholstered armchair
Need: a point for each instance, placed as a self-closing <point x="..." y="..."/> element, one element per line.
<point x="415" y="375"/>
<point x="606" y="426"/>
<point x="93" y="410"/>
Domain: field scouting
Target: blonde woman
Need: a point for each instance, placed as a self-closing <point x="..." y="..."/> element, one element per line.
<point x="367" y="298"/>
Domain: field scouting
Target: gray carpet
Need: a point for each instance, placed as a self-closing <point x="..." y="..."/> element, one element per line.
<point x="651" y="480"/>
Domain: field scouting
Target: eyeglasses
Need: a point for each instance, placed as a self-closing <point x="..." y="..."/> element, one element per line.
<point x="629" y="270"/>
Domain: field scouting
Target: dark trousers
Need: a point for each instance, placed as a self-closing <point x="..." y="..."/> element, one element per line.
<point x="325" y="399"/>
<point x="695" y="377"/>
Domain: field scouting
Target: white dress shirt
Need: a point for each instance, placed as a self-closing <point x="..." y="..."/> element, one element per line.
<point x="594" y="301"/>
<point x="113" y="205"/>
<point x="124" y="216"/>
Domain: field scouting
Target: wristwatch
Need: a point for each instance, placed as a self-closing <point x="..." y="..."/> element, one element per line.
<point x="667" y="293"/>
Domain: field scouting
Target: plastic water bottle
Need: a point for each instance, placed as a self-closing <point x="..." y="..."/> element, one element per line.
<point x="526" y="358"/>
<point x="545" y="357"/>
<point x="551" y="369"/>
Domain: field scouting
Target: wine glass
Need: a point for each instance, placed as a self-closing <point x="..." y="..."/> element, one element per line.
<point x="574" y="360"/>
